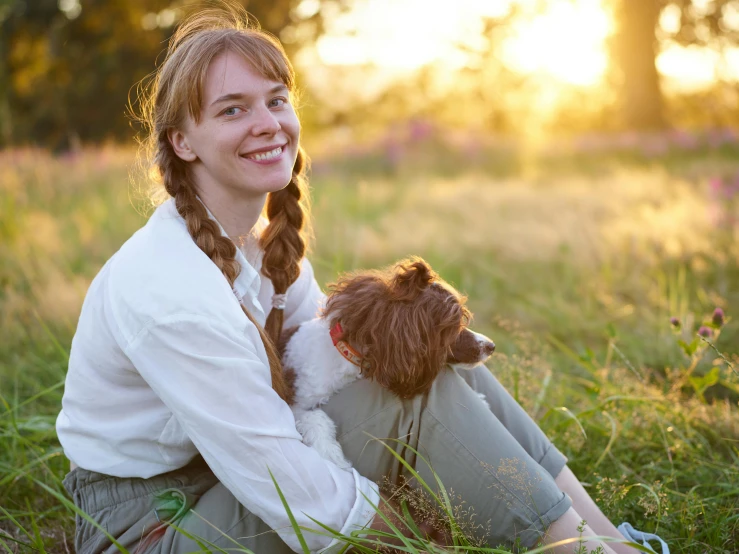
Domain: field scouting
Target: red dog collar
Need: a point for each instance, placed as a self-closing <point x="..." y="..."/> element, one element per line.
<point x="343" y="347"/>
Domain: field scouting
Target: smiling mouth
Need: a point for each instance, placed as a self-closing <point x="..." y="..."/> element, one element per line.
<point x="263" y="156"/>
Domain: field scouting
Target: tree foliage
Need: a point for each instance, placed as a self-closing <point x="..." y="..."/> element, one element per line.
<point x="704" y="23"/>
<point x="67" y="66"/>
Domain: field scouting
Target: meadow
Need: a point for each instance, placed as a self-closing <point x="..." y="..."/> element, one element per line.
<point x="573" y="262"/>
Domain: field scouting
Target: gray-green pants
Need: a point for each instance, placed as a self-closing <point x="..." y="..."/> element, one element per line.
<point x="495" y="459"/>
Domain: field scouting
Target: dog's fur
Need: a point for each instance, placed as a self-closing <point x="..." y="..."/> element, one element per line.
<point x="406" y="323"/>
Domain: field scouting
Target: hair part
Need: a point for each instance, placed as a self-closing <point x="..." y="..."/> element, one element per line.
<point x="403" y="319"/>
<point x="174" y="93"/>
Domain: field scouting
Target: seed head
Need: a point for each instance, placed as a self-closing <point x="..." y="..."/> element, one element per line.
<point x="718" y="317"/>
<point x="705" y="332"/>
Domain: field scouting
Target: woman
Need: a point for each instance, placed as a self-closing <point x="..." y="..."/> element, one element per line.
<point x="174" y="410"/>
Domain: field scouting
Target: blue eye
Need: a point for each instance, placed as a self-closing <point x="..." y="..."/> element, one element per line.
<point x="230" y="111"/>
<point x="281" y="102"/>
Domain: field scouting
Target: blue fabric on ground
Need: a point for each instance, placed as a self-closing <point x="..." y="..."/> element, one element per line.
<point x="639" y="537"/>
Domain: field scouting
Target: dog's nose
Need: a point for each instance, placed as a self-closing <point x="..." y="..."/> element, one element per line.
<point x="488" y="348"/>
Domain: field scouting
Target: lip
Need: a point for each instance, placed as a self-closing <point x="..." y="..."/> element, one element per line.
<point x="265" y="149"/>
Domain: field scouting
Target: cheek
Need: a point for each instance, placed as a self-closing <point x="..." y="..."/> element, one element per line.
<point x="227" y="139"/>
<point x="213" y="140"/>
<point x="291" y="125"/>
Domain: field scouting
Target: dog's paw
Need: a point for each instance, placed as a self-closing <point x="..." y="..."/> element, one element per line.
<point x="319" y="432"/>
<point x="333" y="453"/>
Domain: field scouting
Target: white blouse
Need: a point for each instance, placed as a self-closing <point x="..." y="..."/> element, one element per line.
<point x="165" y="365"/>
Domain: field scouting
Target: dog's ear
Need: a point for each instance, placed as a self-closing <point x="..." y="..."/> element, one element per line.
<point x="352" y="300"/>
<point x="413" y="341"/>
<point x="403" y="320"/>
<point x="412" y="350"/>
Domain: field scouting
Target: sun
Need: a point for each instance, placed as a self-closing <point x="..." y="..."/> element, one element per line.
<point x="564" y="39"/>
<point x="566" y="42"/>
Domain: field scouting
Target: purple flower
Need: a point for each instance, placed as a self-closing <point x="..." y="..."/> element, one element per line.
<point x="654" y="145"/>
<point x="675" y="322"/>
<point x="420" y="129"/>
<point x="718" y="317"/>
<point x="705" y="332"/>
<point x="684" y="139"/>
<point x="716" y="185"/>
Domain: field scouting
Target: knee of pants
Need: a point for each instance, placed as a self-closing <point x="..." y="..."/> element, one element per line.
<point x="462" y="443"/>
<point x="519" y="424"/>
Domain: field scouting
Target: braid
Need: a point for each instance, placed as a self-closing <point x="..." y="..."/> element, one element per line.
<point x="221" y="250"/>
<point x="283" y="241"/>
<point x="174" y="93"/>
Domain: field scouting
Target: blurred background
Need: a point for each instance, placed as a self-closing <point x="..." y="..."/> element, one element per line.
<point x="571" y="165"/>
<point x="535" y="70"/>
<point x="598" y="136"/>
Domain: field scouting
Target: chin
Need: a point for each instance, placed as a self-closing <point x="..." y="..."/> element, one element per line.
<point x="274" y="180"/>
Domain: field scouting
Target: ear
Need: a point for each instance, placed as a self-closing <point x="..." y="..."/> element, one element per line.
<point x="181" y="145"/>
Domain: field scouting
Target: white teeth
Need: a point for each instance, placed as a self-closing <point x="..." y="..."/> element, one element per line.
<point x="266" y="155"/>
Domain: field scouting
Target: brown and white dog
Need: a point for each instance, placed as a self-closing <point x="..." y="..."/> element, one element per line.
<point x="399" y="327"/>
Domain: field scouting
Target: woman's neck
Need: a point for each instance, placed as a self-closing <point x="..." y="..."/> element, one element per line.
<point x="237" y="216"/>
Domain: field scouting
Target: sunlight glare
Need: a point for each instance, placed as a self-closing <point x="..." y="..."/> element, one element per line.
<point x="567" y="42"/>
<point x="693" y="68"/>
<point x="564" y="41"/>
<point x="405" y="34"/>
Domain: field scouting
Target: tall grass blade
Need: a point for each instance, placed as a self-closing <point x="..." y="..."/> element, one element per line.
<point x="291" y="517"/>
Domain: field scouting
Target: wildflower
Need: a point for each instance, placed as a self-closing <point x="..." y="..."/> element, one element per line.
<point x="716" y="185"/>
<point x="705" y="332"/>
<point x="675" y="322"/>
<point x="718" y="317"/>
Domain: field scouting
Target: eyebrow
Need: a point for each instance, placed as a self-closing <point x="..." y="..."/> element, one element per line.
<point x="239" y="96"/>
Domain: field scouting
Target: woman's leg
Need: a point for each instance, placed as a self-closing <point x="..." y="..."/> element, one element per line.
<point x="589" y="510"/>
<point x="508" y="495"/>
<point x="140" y="513"/>
<point x="515" y="419"/>
<point x="563" y="528"/>
<point x="518" y="422"/>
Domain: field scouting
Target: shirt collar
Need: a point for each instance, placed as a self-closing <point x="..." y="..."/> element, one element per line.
<point x="248" y="282"/>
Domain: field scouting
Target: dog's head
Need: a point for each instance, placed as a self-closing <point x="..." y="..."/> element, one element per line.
<point x="407" y="323"/>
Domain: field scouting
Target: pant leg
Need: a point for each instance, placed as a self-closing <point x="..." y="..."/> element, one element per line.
<point x="144" y="515"/>
<point x="236" y="527"/>
<point x="515" y="419"/>
<point x="507" y="494"/>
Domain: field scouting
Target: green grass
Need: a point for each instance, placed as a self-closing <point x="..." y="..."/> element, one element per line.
<point x="575" y="277"/>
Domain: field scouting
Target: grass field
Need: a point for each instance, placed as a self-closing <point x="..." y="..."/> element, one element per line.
<point x="574" y="273"/>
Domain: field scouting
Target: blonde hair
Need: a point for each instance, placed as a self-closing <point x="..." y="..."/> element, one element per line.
<point x="175" y="91"/>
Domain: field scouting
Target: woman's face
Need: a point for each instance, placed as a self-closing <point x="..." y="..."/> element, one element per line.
<point x="246" y="141"/>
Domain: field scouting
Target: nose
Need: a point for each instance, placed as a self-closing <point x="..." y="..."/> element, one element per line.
<point x="488" y="347"/>
<point x="265" y="122"/>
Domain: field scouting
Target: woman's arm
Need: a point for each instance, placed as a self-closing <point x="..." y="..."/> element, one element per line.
<point x="216" y="382"/>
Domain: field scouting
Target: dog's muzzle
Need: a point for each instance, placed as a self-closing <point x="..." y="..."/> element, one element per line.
<point x="471" y="348"/>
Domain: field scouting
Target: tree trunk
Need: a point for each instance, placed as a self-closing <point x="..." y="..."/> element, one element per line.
<point x="634" y="57"/>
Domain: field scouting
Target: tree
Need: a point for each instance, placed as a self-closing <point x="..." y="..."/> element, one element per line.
<point x="638" y="40"/>
<point x="67" y="66"/>
<point x="634" y="53"/>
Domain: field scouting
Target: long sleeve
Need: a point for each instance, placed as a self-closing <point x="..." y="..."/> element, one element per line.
<point x="216" y="383"/>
